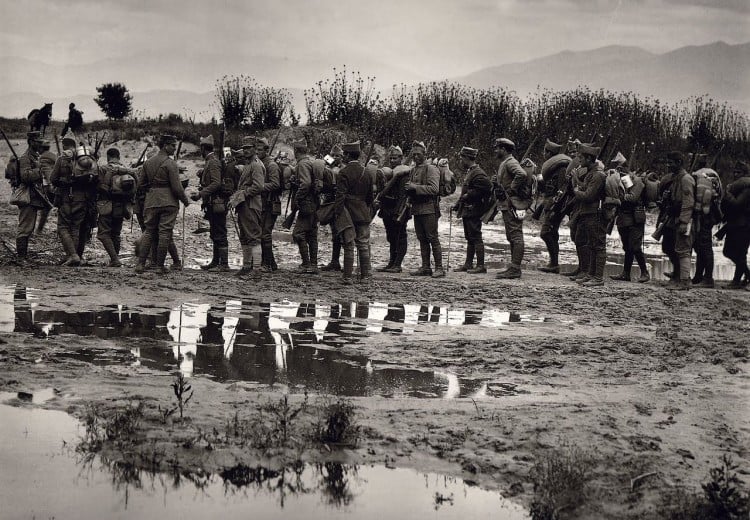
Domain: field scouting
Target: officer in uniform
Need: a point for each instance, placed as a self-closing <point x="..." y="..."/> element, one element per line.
<point x="553" y="181"/>
<point x="30" y="174"/>
<point x="308" y="176"/>
<point x="476" y="191"/>
<point x="164" y="192"/>
<point x="677" y="190"/>
<point x="327" y="195"/>
<point x="508" y="182"/>
<point x="271" y="203"/>
<point x="423" y="189"/>
<point x="214" y="205"/>
<point x="354" y="192"/>
<point x="75" y="178"/>
<point x="390" y="199"/>
<point x="248" y="206"/>
<point x="631" y="223"/>
<point x="116" y="190"/>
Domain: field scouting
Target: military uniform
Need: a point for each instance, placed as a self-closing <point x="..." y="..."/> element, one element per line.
<point x="554" y="180"/>
<point x="391" y="199"/>
<point x="423" y="189"/>
<point x="47" y="161"/>
<point x="354" y="193"/>
<point x="309" y="174"/>
<point x="250" y="188"/>
<point x="115" y="206"/>
<point x="736" y="208"/>
<point x="631" y="225"/>
<point x="476" y="191"/>
<point x="75" y="198"/>
<point x="30" y="174"/>
<point x="677" y="190"/>
<point x="163" y="195"/>
<point x="214" y="206"/>
<point x="271" y="209"/>
<point x="509" y="181"/>
<point x="327" y="196"/>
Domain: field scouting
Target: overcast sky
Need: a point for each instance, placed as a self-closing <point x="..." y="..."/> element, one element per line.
<point x="450" y="36"/>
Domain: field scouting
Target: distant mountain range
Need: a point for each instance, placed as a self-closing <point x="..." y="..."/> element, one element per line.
<point x="719" y="70"/>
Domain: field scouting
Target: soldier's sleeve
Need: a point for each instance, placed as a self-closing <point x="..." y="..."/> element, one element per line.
<point x="173" y="173"/>
<point x="29" y="174"/>
<point x="305" y="179"/>
<point x="103" y="183"/>
<point x="593" y="189"/>
<point x="480" y="185"/>
<point x="342" y="189"/>
<point x="634" y="195"/>
<point x="273" y="178"/>
<point x="214" y="172"/>
<point x="432" y="182"/>
<point x="56" y="177"/>
<point x="687" y="199"/>
<point x="256" y="180"/>
<point x="519" y="175"/>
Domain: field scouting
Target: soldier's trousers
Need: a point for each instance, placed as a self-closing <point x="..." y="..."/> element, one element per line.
<point x="159" y="228"/>
<point x="703" y="245"/>
<point x="110" y="227"/>
<point x="217" y="223"/>
<point x="677" y="247"/>
<point x="474" y="241"/>
<point x="395" y="234"/>
<point x="550" y="234"/>
<point x="736" y="244"/>
<point x="594" y="229"/>
<point x="362" y="242"/>
<point x="514" y="234"/>
<point x="632" y="243"/>
<point x="426" y="228"/>
<point x="72" y="223"/>
<point x="248" y="222"/>
<point x="26" y="221"/>
<point x="305" y="235"/>
<point x="269" y="221"/>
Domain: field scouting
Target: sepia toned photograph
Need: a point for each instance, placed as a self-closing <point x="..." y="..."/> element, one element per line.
<point x="449" y="259"/>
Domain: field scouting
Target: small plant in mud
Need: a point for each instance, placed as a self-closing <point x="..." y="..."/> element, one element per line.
<point x="183" y="392"/>
<point x="337" y="423"/>
<point x="283" y="416"/>
<point x="118" y="425"/>
<point x="560" y="477"/>
<point x="723" y="497"/>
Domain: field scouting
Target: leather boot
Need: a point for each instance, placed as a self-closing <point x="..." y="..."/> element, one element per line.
<point x="214" y="260"/>
<point x="469" y="262"/>
<point x="313" y="245"/>
<point x="72" y="259"/>
<point x="41" y="221"/>
<point x="109" y="247"/>
<point x="348" y="270"/>
<point x="176" y="262"/>
<point x="223" y="254"/>
<point x="247" y="260"/>
<point x="22" y="247"/>
<point x="365" y="271"/>
<point x="480" y="268"/>
<point x="304" y="254"/>
<point x="597" y="280"/>
<point x="161" y="256"/>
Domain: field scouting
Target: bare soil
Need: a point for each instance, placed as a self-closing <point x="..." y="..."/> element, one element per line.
<point x="644" y="379"/>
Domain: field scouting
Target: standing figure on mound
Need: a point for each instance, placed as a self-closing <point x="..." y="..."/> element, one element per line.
<point x="328" y="195"/>
<point x="214" y="206"/>
<point x="587" y="214"/>
<point x="26" y="171"/>
<point x="510" y="181"/>
<point x="553" y="181"/>
<point x="74" y="122"/>
<point x="677" y="200"/>
<point x="476" y="191"/>
<point x="354" y="195"/>
<point x="423" y="189"/>
<point x="75" y="178"/>
<point x="309" y="175"/>
<point x="116" y="191"/>
<point x="271" y="195"/>
<point x="248" y="205"/>
<point x="164" y="192"/>
<point x="391" y="198"/>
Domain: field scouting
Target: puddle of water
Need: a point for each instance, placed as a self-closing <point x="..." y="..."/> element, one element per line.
<point x="49" y="481"/>
<point x="289" y="343"/>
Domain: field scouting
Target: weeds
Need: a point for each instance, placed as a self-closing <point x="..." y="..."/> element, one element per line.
<point x="337" y="424"/>
<point x="283" y="416"/>
<point x="118" y="426"/>
<point x="181" y="388"/>
<point x="560" y="477"/>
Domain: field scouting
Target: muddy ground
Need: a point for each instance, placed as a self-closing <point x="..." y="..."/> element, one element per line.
<point x="643" y="379"/>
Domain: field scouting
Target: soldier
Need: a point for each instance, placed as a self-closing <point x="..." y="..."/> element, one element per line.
<point x="75" y="177"/>
<point x="354" y="194"/>
<point x="117" y="187"/>
<point x="328" y="195"/>
<point x="214" y="205"/>
<point x="553" y="181"/>
<point x="74" y="122"/>
<point x="703" y="222"/>
<point x="248" y="205"/>
<point x="475" y="194"/>
<point x="47" y="161"/>
<point x="308" y="174"/>
<point x="631" y="222"/>
<point x="510" y="182"/>
<point x="677" y="189"/>
<point x="587" y="218"/>
<point x="28" y="174"/>
<point x="390" y="199"/>
<point x="736" y="207"/>
<point x="422" y="189"/>
<point x="271" y="195"/>
<point x="164" y="192"/>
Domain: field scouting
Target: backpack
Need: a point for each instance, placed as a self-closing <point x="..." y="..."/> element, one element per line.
<point x="708" y="190"/>
<point x="11" y="172"/>
<point x="123" y="182"/>
<point x="230" y="176"/>
<point x="447" y="185"/>
<point x="651" y="190"/>
<point x="532" y="180"/>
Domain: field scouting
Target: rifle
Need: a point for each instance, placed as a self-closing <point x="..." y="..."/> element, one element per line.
<point x="141" y="157"/>
<point x="631" y="159"/>
<point x="179" y="148"/>
<point x="713" y="162"/>
<point x="57" y="145"/>
<point x="98" y="143"/>
<point x="32" y="186"/>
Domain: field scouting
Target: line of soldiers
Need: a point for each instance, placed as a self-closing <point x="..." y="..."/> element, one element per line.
<point x="347" y="195"/>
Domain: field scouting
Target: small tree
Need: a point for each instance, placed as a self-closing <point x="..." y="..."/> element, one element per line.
<point x="114" y="100"/>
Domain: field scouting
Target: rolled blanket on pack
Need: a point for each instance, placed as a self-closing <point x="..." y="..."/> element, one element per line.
<point x="553" y="163"/>
<point x="613" y="188"/>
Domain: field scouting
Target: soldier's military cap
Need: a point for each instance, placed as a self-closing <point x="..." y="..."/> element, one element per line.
<point x="300" y="146"/>
<point x="336" y="149"/>
<point x="619" y="159"/>
<point x="68" y="141"/>
<point x="263" y="142"/>
<point x="167" y="139"/>
<point x="418" y="144"/>
<point x="395" y="150"/>
<point x="207" y="141"/>
<point x="505" y="143"/>
<point x="34" y="136"/>
<point x="552" y="147"/>
<point x="676" y="156"/>
<point x="469" y="153"/>
<point x="248" y="142"/>
<point x="351" y="147"/>
<point x="588" y="149"/>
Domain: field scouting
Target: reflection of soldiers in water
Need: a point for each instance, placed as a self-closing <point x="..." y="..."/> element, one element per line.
<point x="24" y="321"/>
<point x="334" y="483"/>
<point x="209" y="355"/>
<point x="253" y="356"/>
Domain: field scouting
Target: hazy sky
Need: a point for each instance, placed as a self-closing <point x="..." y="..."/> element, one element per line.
<point x="449" y="36"/>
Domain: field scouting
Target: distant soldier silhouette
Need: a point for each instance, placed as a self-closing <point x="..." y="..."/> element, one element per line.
<point x="74" y="122"/>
